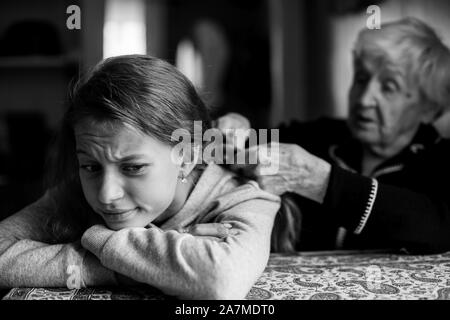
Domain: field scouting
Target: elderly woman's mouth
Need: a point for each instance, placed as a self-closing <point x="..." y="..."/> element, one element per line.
<point x="364" y="120"/>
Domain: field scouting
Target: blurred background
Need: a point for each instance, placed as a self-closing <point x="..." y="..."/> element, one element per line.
<point x="270" y="60"/>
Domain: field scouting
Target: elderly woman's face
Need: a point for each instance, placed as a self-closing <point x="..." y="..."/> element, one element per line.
<point x="384" y="109"/>
<point x="127" y="177"/>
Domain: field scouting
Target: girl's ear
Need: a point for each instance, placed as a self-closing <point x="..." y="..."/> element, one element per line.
<point x="190" y="159"/>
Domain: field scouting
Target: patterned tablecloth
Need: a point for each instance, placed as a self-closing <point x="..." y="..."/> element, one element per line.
<point x="308" y="277"/>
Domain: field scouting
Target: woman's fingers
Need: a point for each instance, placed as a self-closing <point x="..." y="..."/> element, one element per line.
<point x="278" y="168"/>
<point x="274" y="184"/>
<point x="232" y="121"/>
<point x="218" y="230"/>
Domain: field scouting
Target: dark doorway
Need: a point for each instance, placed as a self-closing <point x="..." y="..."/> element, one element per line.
<point x="243" y="84"/>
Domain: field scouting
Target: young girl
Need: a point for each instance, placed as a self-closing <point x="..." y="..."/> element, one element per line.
<point x="120" y="203"/>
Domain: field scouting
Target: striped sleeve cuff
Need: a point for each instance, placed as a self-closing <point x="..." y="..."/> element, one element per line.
<point x="369" y="207"/>
<point x="350" y="198"/>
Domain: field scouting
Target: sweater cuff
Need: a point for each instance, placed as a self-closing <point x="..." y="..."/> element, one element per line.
<point x="95" y="238"/>
<point x="95" y="274"/>
<point x="350" y="197"/>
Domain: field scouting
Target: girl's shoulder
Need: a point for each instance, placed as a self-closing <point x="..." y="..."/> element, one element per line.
<point x="226" y="183"/>
<point x="231" y="190"/>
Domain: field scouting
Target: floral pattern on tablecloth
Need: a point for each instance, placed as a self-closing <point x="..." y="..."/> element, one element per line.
<point x="113" y="293"/>
<point x="355" y="277"/>
<point x="300" y="277"/>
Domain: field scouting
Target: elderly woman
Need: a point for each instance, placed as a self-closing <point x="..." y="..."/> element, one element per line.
<point x="379" y="179"/>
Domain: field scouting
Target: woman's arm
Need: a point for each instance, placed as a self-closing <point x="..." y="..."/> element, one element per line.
<point x="27" y="260"/>
<point x="192" y="267"/>
<point x="415" y="216"/>
<point x="416" y="221"/>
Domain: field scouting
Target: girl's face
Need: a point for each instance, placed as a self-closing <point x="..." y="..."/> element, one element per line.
<point x="128" y="177"/>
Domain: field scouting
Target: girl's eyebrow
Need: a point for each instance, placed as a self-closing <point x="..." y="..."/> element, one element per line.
<point x="132" y="157"/>
<point x="126" y="158"/>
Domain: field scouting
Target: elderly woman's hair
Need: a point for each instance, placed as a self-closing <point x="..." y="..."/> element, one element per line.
<point x="414" y="46"/>
<point x="143" y="92"/>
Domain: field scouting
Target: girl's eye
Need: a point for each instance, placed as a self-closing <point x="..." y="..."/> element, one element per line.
<point x="134" y="168"/>
<point x="91" y="168"/>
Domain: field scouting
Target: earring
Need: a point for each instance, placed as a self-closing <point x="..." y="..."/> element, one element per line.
<point x="183" y="178"/>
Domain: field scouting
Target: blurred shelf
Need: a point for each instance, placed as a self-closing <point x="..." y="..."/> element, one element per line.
<point x="37" y="62"/>
<point x="4" y="180"/>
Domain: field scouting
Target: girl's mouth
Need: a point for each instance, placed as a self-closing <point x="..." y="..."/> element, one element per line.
<point x="118" y="215"/>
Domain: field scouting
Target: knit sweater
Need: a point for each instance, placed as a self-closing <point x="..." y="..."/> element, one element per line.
<point x="179" y="264"/>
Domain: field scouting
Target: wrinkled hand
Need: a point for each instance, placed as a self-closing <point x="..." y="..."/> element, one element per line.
<point x="217" y="231"/>
<point x="236" y="129"/>
<point x="232" y="121"/>
<point x="282" y="168"/>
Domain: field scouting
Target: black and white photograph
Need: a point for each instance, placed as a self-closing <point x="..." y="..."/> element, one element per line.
<point x="246" y="151"/>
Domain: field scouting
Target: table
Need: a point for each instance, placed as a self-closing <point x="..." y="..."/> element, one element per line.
<point x="308" y="276"/>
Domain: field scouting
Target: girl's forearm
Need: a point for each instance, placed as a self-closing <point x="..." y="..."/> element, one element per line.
<point x="27" y="263"/>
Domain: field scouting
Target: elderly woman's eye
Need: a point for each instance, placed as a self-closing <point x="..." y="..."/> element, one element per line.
<point x="134" y="168"/>
<point x="389" y="86"/>
<point x="91" y="168"/>
<point x="361" y="78"/>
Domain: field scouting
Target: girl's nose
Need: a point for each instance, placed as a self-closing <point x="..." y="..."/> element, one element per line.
<point x="110" y="189"/>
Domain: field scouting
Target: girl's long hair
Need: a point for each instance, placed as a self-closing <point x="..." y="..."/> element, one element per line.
<point x="287" y="227"/>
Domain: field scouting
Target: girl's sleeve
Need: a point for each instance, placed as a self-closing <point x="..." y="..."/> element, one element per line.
<point x="190" y="267"/>
<point x="28" y="260"/>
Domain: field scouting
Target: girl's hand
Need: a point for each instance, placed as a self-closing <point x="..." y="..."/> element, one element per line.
<point x="218" y="231"/>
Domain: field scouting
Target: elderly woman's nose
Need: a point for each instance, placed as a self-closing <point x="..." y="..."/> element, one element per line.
<point x="367" y="97"/>
<point x="110" y="189"/>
